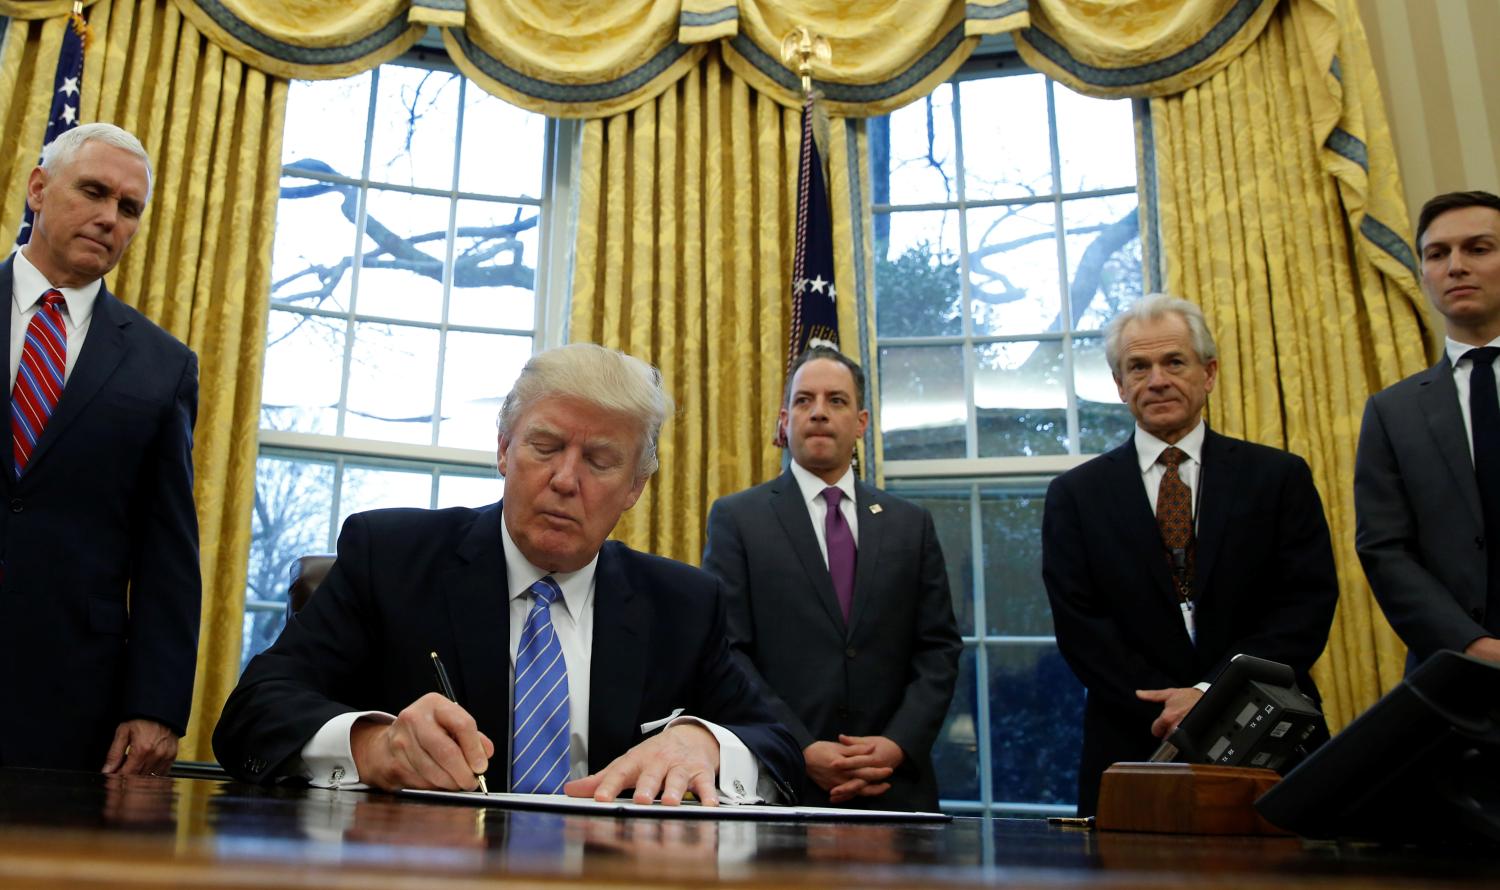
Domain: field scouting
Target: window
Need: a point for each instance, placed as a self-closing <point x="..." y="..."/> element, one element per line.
<point x="1006" y="236"/>
<point x="408" y="280"/>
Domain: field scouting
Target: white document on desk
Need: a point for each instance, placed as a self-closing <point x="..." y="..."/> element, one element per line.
<point x="691" y="809"/>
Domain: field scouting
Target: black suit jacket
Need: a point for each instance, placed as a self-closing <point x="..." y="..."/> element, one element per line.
<point x="1264" y="584"/>
<point x="105" y="506"/>
<point x="1419" y="526"/>
<point x="410" y="582"/>
<point x="889" y="671"/>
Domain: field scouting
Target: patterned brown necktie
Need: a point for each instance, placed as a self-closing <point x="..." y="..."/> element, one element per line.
<point x="1174" y="515"/>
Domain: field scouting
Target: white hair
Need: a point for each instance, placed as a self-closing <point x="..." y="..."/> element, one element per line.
<point x="1150" y="308"/>
<point x="603" y="377"/>
<point x="60" y="151"/>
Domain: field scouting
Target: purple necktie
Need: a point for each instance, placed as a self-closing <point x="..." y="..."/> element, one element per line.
<point x="840" y="549"/>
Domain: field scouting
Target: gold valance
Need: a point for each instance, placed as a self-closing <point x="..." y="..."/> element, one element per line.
<point x="595" y="58"/>
<point x="1140" y="48"/>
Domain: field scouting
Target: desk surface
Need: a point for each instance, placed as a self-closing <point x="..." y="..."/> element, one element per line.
<point x="82" y="830"/>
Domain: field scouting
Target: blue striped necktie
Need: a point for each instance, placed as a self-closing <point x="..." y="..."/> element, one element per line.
<point x="39" y="378"/>
<point x="539" y="742"/>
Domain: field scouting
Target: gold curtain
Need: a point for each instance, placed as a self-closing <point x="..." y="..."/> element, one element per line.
<point x="687" y="205"/>
<point x="1265" y="175"/>
<point x="200" y="264"/>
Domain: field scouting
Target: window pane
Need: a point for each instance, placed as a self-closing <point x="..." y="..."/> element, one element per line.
<point x="1036" y="724"/>
<point x="1006" y="152"/>
<point x="478" y="370"/>
<point x="501" y="147"/>
<point x="392" y="382"/>
<point x="405" y="244"/>
<point x="1095" y="140"/>
<point x="922" y="163"/>
<point x="459" y="490"/>
<point x="316" y="108"/>
<point x="1103" y="420"/>
<point x="494" y="265"/>
<point x="922" y="412"/>
<point x="310" y="261"/>
<point x="917" y="270"/>
<point x="304" y="364"/>
<point x="950" y="515"/>
<point x="1015" y="603"/>
<point x="290" y="519"/>
<point x="375" y="488"/>
<point x="1104" y="257"/>
<point x="1020" y="399"/>
<point x="955" y="756"/>
<point x="416" y="122"/>
<point x="1013" y="269"/>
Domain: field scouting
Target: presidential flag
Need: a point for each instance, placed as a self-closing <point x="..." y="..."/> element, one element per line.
<point x="815" y="319"/>
<point x="64" y="113"/>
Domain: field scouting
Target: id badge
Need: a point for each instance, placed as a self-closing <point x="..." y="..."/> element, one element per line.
<point x="1188" y="621"/>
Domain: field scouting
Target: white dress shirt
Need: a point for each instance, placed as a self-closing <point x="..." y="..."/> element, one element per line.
<point x="327" y="759"/>
<point x="1462" y="368"/>
<point x="27" y="286"/>
<point x="1148" y="450"/>
<point x="817" y="509"/>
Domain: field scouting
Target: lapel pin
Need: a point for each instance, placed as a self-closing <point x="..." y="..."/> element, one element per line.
<point x="874" y="508"/>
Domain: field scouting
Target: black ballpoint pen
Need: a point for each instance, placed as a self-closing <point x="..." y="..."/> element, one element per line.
<point x="447" y="689"/>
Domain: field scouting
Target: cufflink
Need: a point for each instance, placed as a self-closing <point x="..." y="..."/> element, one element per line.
<point x="739" y="787"/>
<point x="874" y="508"/>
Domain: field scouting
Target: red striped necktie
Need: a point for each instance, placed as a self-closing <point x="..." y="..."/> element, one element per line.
<point x="39" y="380"/>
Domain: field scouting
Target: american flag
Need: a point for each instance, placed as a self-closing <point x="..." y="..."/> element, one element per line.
<point x="65" y="95"/>
<point x="815" y="319"/>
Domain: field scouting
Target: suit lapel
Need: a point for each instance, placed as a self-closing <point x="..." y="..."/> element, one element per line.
<point x="1438" y="397"/>
<point x="867" y="562"/>
<point x="791" y="512"/>
<point x="1219" y="479"/>
<point x="479" y="614"/>
<point x="617" y="671"/>
<point x="7" y="287"/>
<point x="103" y="349"/>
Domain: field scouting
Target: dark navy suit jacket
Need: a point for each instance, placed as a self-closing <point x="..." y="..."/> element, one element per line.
<point x="889" y="670"/>
<point x="1264" y="584"/>
<point x="101" y="590"/>
<point x="410" y="582"/>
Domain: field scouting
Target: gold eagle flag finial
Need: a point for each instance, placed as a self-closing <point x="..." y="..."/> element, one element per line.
<point x="803" y="47"/>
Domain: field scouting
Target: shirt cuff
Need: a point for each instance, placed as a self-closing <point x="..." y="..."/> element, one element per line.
<point x="1201" y="687"/>
<point x="740" y="778"/>
<point x="327" y="760"/>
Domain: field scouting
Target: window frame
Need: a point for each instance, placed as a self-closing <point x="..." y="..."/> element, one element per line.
<point x="912" y="477"/>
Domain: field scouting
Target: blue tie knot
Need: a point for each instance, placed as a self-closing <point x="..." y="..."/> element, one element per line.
<point x="1483" y="355"/>
<point x="546" y="590"/>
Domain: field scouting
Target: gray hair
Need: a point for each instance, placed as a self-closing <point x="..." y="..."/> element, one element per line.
<point x="60" y="151"/>
<point x="606" y="378"/>
<point x="1150" y="308"/>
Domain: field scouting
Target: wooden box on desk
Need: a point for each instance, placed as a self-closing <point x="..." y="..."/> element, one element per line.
<point x="1184" y="798"/>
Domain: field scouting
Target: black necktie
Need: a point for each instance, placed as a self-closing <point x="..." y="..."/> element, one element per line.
<point x="1484" y="418"/>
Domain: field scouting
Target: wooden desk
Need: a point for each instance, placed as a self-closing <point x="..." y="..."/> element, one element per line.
<point x="82" y="830"/>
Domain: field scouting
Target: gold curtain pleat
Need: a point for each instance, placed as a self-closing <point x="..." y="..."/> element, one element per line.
<point x="683" y="258"/>
<point x="1255" y="230"/>
<point x="200" y="264"/>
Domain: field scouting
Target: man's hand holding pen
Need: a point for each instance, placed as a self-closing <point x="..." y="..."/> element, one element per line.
<point x="432" y="743"/>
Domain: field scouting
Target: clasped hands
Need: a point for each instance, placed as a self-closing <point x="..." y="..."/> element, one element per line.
<point x="435" y="743"/>
<point x="854" y="766"/>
